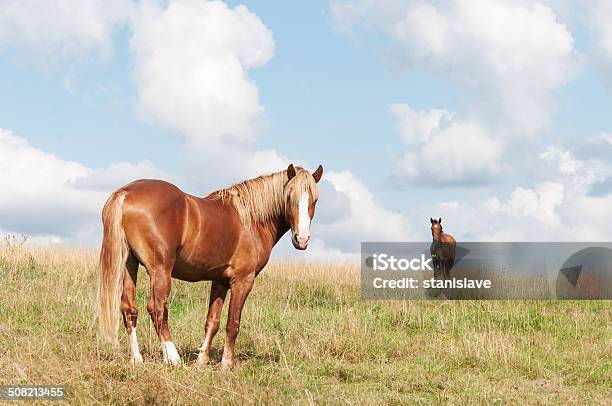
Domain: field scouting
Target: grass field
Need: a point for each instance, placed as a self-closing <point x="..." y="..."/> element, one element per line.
<point x="306" y="338"/>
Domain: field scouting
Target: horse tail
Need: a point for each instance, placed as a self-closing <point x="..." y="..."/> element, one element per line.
<point x="113" y="256"/>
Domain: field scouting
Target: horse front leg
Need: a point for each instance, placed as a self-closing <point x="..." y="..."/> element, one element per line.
<point x="446" y="269"/>
<point x="240" y="288"/>
<point x="437" y="267"/>
<point x="218" y="292"/>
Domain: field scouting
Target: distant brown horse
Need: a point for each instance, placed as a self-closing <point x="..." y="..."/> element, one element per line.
<point x="442" y="249"/>
<point x="225" y="237"/>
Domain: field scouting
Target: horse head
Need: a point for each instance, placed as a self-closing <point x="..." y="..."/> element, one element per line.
<point x="301" y="195"/>
<point x="436" y="228"/>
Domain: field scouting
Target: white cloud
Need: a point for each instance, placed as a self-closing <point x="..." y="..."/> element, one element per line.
<point x="60" y="28"/>
<point x="602" y="139"/>
<point x="507" y="58"/>
<point x="547" y="212"/>
<point x="540" y="203"/>
<point x="45" y="197"/>
<point x="560" y="209"/>
<point x="599" y="18"/>
<point x="191" y="71"/>
<point x="120" y="173"/>
<point x="32" y="177"/>
<point x="191" y="68"/>
<point x="418" y="126"/>
<point x="578" y="175"/>
<point x="365" y="219"/>
<point x="511" y="57"/>
<point x="192" y="60"/>
<point x="596" y="17"/>
<point x="212" y="165"/>
<point x="442" y="149"/>
<point x="449" y="206"/>
<point x="318" y="251"/>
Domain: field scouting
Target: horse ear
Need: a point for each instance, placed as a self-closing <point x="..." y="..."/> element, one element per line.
<point x="432" y="220"/>
<point x="290" y="171"/>
<point x="440" y="220"/>
<point x="318" y="174"/>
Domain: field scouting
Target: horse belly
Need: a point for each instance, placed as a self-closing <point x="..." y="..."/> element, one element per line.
<point x="186" y="271"/>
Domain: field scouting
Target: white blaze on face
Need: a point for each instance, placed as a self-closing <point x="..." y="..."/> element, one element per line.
<point x="303" y="230"/>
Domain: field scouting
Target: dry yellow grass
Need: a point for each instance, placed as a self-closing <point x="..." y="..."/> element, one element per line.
<point x="307" y="338"/>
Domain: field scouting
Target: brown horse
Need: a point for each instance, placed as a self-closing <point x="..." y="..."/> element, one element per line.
<point x="442" y="249"/>
<point x="225" y="237"/>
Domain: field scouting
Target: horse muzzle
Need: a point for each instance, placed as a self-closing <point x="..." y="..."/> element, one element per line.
<point x="299" y="242"/>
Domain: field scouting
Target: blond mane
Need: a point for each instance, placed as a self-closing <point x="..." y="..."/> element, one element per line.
<point x="263" y="199"/>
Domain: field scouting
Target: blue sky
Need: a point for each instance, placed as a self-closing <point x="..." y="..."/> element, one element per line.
<point x="86" y="121"/>
<point x="512" y="150"/>
<point x="325" y="98"/>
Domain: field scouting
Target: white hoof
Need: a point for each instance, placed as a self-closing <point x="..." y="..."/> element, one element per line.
<point x="171" y="355"/>
<point x="137" y="359"/>
<point x="134" y="348"/>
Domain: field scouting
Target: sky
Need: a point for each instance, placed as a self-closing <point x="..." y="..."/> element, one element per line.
<point x="494" y="115"/>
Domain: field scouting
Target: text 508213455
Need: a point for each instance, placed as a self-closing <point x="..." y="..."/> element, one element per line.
<point x="32" y="392"/>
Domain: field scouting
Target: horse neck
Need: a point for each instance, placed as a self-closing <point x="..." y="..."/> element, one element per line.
<point x="273" y="230"/>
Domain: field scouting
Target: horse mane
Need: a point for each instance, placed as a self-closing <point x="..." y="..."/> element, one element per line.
<point x="263" y="198"/>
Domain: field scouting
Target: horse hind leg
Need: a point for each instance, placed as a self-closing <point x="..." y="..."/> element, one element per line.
<point x="129" y="310"/>
<point x="157" y="306"/>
